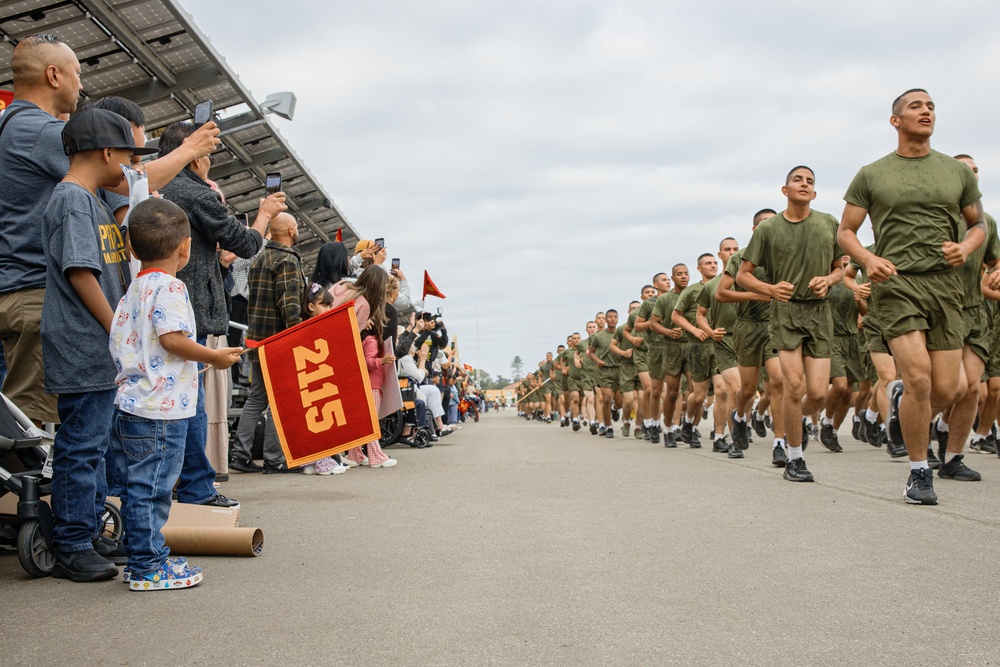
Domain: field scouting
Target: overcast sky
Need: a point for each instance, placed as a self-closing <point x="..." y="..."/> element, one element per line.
<point x="543" y="159"/>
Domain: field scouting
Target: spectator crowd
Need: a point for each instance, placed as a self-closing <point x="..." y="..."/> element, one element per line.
<point x="135" y="372"/>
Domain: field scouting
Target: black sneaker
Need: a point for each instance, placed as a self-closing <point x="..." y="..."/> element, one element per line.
<point x="758" y="423"/>
<point x="243" y="465"/>
<point x="576" y="425"/>
<point x="615" y="413"/>
<point x="895" y="391"/>
<point x="805" y="433"/>
<point x="694" y="440"/>
<point x="779" y="458"/>
<point x="856" y="429"/>
<point x="990" y="445"/>
<point x="719" y="446"/>
<point x="896" y="450"/>
<point x="957" y="470"/>
<point x="872" y="433"/>
<point x="669" y="439"/>
<point x="221" y="501"/>
<point x="81" y="566"/>
<point x="828" y="438"/>
<point x="593" y="428"/>
<point x="610" y="432"/>
<point x="920" y="488"/>
<point x="734" y="452"/>
<point x="654" y="434"/>
<point x="795" y="471"/>
<point x="280" y="468"/>
<point x="933" y="461"/>
<point x="686" y="429"/>
<point x="563" y="423"/>
<point x="942" y="440"/>
<point x="740" y="435"/>
<point x="113" y="551"/>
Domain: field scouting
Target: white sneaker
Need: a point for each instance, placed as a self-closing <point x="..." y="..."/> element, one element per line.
<point x="348" y="462"/>
<point x="388" y="463"/>
<point x="309" y="469"/>
<point x="339" y="470"/>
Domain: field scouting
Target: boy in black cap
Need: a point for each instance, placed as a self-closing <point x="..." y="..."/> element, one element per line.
<point x="86" y="276"/>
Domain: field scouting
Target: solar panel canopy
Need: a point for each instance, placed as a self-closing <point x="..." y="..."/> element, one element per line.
<point x="151" y="52"/>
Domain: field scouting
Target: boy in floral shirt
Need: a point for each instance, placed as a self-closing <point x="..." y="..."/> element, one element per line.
<point x="153" y="345"/>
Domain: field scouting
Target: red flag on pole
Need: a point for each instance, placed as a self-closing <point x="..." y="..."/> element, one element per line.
<point x="340" y="234"/>
<point x="430" y="288"/>
<point x="318" y="387"/>
<point x="6" y="97"/>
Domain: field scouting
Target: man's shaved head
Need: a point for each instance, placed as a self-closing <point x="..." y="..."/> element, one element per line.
<point x="281" y="225"/>
<point x="33" y="54"/>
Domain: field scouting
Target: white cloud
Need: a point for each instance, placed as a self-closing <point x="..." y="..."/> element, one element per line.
<point x="543" y="159"/>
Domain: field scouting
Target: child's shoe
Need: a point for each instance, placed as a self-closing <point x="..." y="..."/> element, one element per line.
<point x="326" y="466"/>
<point x="173" y="573"/>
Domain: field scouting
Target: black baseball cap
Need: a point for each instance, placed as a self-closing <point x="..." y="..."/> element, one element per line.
<point x="97" y="129"/>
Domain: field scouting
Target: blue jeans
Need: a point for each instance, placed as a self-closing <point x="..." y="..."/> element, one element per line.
<point x="79" y="478"/>
<point x="147" y="454"/>
<point x="197" y="474"/>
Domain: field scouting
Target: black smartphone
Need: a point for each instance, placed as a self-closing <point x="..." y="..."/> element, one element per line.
<point x="380" y="243"/>
<point x="272" y="183"/>
<point x="246" y="219"/>
<point x="203" y="113"/>
<point x="395" y="263"/>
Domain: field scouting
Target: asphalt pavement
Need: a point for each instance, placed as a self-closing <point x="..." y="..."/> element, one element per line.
<point x="521" y="543"/>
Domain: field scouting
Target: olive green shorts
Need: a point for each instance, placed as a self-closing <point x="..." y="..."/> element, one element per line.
<point x="725" y="353"/>
<point x="576" y="383"/>
<point x="675" y="359"/>
<point x="607" y="378"/>
<point x="565" y="383"/>
<point x="846" y="359"/>
<point x="628" y="378"/>
<point x="655" y="361"/>
<point x="930" y="302"/>
<point x="752" y="343"/>
<point x="701" y="360"/>
<point x="640" y="358"/>
<point x="993" y="365"/>
<point x="873" y="341"/>
<point x="805" y="323"/>
<point x="977" y="331"/>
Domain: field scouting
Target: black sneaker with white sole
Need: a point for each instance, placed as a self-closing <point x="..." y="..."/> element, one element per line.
<point x="920" y="488"/>
<point x="872" y="433"/>
<point x="654" y="434"/>
<point x="856" y="429"/>
<point x="957" y="470"/>
<point x="895" y="392"/>
<point x="669" y="439"/>
<point x="796" y="471"/>
<point x="734" y="452"/>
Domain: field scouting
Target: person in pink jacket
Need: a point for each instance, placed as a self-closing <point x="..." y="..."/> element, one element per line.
<point x="369" y="296"/>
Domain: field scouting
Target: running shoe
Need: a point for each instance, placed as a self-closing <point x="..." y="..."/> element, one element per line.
<point x="920" y="488"/>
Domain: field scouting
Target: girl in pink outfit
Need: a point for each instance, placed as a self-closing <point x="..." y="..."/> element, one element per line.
<point x="369" y="294"/>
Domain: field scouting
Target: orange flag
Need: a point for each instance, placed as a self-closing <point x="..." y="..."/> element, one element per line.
<point x="431" y="288"/>
<point x="340" y="234"/>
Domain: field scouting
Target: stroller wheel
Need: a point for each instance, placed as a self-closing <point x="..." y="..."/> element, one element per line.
<point x="112" y="522"/>
<point x="33" y="552"/>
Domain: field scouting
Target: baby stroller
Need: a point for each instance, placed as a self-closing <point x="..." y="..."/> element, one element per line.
<point x="25" y="471"/>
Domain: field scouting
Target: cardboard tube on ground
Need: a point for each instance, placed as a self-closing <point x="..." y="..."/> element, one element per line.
<point x="214" y="541"/>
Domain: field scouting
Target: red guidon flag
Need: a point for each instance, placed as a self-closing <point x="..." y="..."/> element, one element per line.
<point x="468" y="367"/>
<point x="340" y="234"/>
<point x="430" y="287"/>
<point x="318" y="386"/>
<point x="6" y="97"/>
